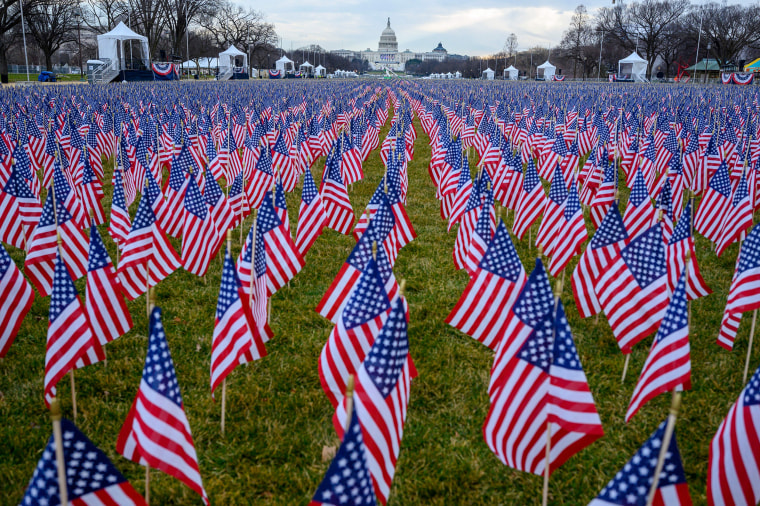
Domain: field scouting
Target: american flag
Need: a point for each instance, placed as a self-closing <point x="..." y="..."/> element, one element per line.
<point x="262" y="179"/>
<point x="252" y="273"/>
<point x="147" y="255"/>
<point x="714" y="205"/>
<point x="604" y="195"/>
<point x="281" y="157"/>
<point x="92" y="194"/>
<point x="170" y="214"/>
<point x="29" y="208"/>
<point x="199" y="235"/>
<point x="538" y="363"/>
<point x="639" y="213"/>
<point x="734" y="463"/>
<point x="530" y="203"/>
<point x="633" y="290"/>
<point x="42" y="247"/>
<point x="236" y="339"/>
<point x="403" y="231"/>
<point x="665" y="208"/>
<point x="219" y="207"/>
<point x="214" y="164"/>
<point x="554" y="211"/>
<point x="501" y="275"/>
<point x="238" y="200"/>
<point x="359" y="323"/>
<point x="343" y="285"/>
<point x="311" y="215"/>
<point x="632" y="483"/>
<point x="571" y="233"/>
<point x="604" y="247"/>
<point x="340" y="214"/>
<point x="156" y="432"/>
<point x="70" y="343"/>
<point x="381" y="398"/>
<point x="347" y="480"/>
<point x="16" y="297"/>
<point x="481" y="234"/>
<point x="91" y="478"/>
<point x="467" y="226"/>
<point x="738" y="217"/>
<point x="668" y="365"/>
<point x="744" y="293"/>
<point x="512" y="186"/>
<point x="554" y="157"/>
<point x="680" y="245"/>
<point x="283" y="259"/>
<point x="12" y="228"/>
<point x="104" y="302"/>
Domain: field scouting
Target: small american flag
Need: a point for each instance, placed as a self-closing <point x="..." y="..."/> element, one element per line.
<point x="283" y="259"/>
<point x="530" y="203"/>
<point x="553" y="213"/>
<point x="156" y="432"/>
<point x="16" y="297"/>
<point x="668" y="365"/>
<point x="199" y="235"/>
<point x="12" y="228"/>
<point x="714" y="205"/>
<point x="335" y="197"/>
<point x="104" y="302"/>
<point x="311" y="215"/>
<point x="738" y="217"/>
<point x="734" y="458"/>
<point x="571" y="233"/>
<point x="633" y="290"/>
<point x="681" y="243"/>
<point x="70" y="342"/>
<point x="631" y="484"/>
<point x="482" y="233"/>
<point x="639" y="213"/>
<point x="91" y="478"/>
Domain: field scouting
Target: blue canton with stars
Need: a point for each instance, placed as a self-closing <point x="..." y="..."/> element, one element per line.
<point x="564" y="354"/>
<point x="264" y="163"/>
<point x="536" y="299"/>
<point x="309" y="192"/>
<point x="267" y="219"/>
<point x="483" y="225"/>
<point x="228" y="292"/>
<point x="347" y="481"/>
<point x="387" y="357"/>
<point x="380" y="225"/>
<point x="98" y="256"/>
<point x="279" y="195"/>
<point x="5" y="261"/>
<point x="531" y="177"/>
<point x="259" y="255"/>
<point x="17" y="187"/>
<point x="64" y="292"/>
<point x="683" y="228"/>
<point x="159" y="371"/>
<point x="611" y="230"/>
<point x="501" y="257"/>
<point x="631" y="484"/>
<point x="749" y="255"/>
<point x="677" y="314"/>
<point x="751" y="393"/>
<point x="721" y="182"/>
<point x="368" y="300"/>
<point x="645" y="256"/>
<point x="87" y="470"/>
<point x="639" y="193"/>
<point x="537" y="348"/>
<point x="573" y="204"/>
<point x="213" y="191"/>
<point x="558" y="190"/>
<point x="742" y="191"/>
<point x="145" y="216"/>
<point x="194" y="202"/>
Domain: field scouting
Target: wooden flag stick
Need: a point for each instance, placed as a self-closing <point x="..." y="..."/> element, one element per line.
<point x="547" y="468"/>
<point x="749" y="347"/>
<point x="625" y="367"/>
<point x="349" y="402"/>
<point x="55" y="416"/>
<point x="675" y="405"/>
<point x="147" y="485"/>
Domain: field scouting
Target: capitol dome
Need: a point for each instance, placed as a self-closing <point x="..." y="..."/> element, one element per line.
<point x="388" y="43"/>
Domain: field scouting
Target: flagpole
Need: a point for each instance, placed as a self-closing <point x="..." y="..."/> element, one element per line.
<point x="55" y="416"/>
<point x="675" y="406"/>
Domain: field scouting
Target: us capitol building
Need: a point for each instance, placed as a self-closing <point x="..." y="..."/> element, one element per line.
<point x="388" y="56"/>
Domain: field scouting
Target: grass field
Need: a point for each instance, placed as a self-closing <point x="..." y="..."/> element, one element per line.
<point x="278" y="418"/>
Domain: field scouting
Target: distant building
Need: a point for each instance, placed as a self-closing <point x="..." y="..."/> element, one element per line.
<point x="388" y="56"/>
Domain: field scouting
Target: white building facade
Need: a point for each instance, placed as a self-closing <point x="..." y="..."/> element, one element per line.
<point x="388" y="56"/>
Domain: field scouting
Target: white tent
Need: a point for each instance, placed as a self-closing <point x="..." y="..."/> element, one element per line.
<point x="205" y="63"/>
<point x="284" y="64"/>
<point x="227" y="59"/>
<point x="511" y="73"/>
<point x="488" y="74"/>
<point x="307" y="68"/>
<point x="449" y="75"/>
<point x="634" y="66"/>
<point x="545" y="71"/>
<point x="111" y="46"/>
<point x="320" y="71"/>
<point x="457" y="75"/>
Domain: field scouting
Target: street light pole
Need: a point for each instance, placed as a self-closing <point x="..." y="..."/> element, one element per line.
<point x="707" y="60"/>
<point x="699" y="40"/>
<point x="23" y="32"/>
<point x="599" y="69"/>
<point x="78" y="15"/>
<point x="187" y="36"/>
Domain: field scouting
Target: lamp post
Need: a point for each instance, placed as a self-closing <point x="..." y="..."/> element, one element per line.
<point x="187" y="36"/>
<point x="78" y="17"/>
<point x="707" y="60"/>
<point x="23" y="32"/>
<point x="599" y="68"/>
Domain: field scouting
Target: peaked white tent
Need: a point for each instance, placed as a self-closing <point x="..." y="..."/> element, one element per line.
<point x="511" y="73"/>
<point x="306" y="68"/>
<point x="284" y="64"/>
<point x="227" y="59"/>
<point x="545" y="71"/>
<point x="488" y="74"/>
<point x="634" y="66"/>
<point x="111" y="46"/>
<point x="320" y="71"/>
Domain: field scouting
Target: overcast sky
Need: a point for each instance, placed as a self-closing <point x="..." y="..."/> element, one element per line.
<point x="475" y="27"/>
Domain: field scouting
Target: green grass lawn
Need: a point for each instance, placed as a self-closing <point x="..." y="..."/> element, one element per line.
<point x="278" y="418"/>
<point x="68" y="78"/>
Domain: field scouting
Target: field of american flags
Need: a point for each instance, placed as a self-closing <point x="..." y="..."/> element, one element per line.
<point x="278" y="419"/>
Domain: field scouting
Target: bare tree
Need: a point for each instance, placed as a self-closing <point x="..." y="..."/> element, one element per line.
<point x="52" y="23"/>
<point x="729" y="29"/>
<point x="148" y="18"/>
<point x="10" y="19"/>
<point x="642" y="24"/>
<point x="180" y="14"/>
<point x="101" y="16"/>
<point x="578" y="41"/>
<point x="510" y="46"/>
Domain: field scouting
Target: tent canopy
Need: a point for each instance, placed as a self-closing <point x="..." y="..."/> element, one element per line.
<point x="753" y="66"/>
<point x="285" y="64"/>
<point x="111" y="44"/>
<point x="305" y="64"/>
<point x="204" y="63"/>
<point x="511" y="72"/>
<point x="633" y="65"/>
<point x="488" y="74"/>
<point x="706" y="64"/>
<point x="545" y="70"/>
<point x="227" y="58"/>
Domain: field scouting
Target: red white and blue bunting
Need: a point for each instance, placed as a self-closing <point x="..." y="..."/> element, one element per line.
<point x="558" y="78"/>
<point x="274" y="74"/>
<point x="742" y="79"/>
